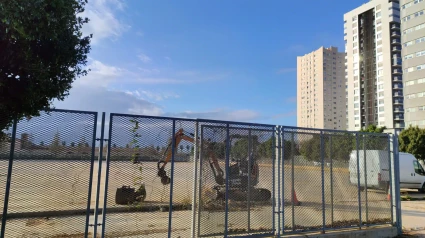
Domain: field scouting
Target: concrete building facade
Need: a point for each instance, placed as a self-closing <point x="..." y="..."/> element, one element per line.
<point x="373" y="65"/>
<point x="413" y="53"/>
<point x="321" y="89"/>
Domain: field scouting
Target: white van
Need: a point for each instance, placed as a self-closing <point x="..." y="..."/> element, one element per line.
<point x="412" y="174"/>
<point x="377" y="167"/>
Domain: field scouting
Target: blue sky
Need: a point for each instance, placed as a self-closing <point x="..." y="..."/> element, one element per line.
<point x="230" y="60"/>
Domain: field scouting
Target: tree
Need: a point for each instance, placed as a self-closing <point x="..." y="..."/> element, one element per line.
<point x="412" y="140"/>
<point x="55" y="145"/>
<point x="42" y="52"/>
<point x="158" y="148"/>
<point x="41" y="143"/>
<point x="311" y="149"/>
<point x="371" y="142"/>
<point x="63" y="143"/>
<point x="72" y="144"/>
<point x="373" y="129"/>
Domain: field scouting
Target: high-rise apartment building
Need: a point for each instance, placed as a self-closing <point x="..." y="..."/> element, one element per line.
<point x="373" y="65"/>
<point x="413" y="53"/>
<point x="321" y="89"/>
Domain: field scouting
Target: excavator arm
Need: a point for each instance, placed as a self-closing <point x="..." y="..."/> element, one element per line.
<point x="178" y="137"/>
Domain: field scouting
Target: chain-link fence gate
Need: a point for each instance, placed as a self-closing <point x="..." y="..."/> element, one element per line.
<point x="172" y="177"/>
<point x="46" y="167"/>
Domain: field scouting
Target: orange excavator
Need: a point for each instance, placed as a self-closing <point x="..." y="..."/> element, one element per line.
<point x="243" y="172"/>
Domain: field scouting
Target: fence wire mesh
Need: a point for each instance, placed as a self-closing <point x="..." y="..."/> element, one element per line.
<point x="174" y="177"/>
<point x="51" y="175"/>
<point x="237" y="163"/>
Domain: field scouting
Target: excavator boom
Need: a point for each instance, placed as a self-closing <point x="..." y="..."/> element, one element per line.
<point x="178" y="137"/>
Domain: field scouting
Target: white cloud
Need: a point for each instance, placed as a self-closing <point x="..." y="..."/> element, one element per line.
<point x="144" y="58"/>
<point x="100" y="99"/>
<point x="149" y="71"/>
<point x="103" y="22"/>
<point x="149" y="95"/>
<point x="100" y="75"/>
<point x="220" y="114"/>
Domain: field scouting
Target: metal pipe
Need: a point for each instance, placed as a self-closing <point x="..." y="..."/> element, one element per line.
<point x="249" y="179"/>
<point x="200" y="180"/>
<point x="279" y="202"/>
<point x="332" y="178"/>
<point x="322" y="155"/>
<point x="358" y="180"/>
<point x="282" y="174"/>
<point x="108" y="158"/>
<point x="99" y="173"/>
<point x="173" y="150"/>
<point x="8" y="178"/>
<point x="365" y="178"/>
<point x="226" y="211"/>
<point x="195" y="175"/>
<point x="390" y="179"/>
<point x="397" y="184"/>
<point x="292" y="180"/>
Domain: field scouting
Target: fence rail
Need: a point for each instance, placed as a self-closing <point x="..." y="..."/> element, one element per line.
<point x="66" y="174"/>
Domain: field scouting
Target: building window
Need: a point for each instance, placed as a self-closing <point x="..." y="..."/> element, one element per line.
<point x="409" y="56"/>
<point x="412" y="109"/>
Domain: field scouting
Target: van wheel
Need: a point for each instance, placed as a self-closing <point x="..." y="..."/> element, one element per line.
<point x="422" y="190"/>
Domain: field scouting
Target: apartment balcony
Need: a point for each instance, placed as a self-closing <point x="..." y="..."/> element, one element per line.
<point x="397" y="62"/>
<point x="397" y="79"/>
<point x="399" y="125"/>
<point x="397" y="71"/>
<point x="398" y="102"/>
<point x="396" y="42"/>
<point x="396" y="49"/>
<point x="398" y="109"/>
<point x="398" y="95"/>
<point x="398" y="86"/>
<point x="395" y="34"/>
<point x="399" y="118"/>
<point x="395" y="27"/>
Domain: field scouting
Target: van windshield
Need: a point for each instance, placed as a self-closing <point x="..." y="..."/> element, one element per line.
<point x="418" y="168"/>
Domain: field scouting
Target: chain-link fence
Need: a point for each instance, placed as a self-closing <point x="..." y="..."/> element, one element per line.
<point x="144" y="176"/>
<point x="51" y="174"/>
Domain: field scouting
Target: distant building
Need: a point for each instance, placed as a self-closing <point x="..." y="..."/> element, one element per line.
<point x="373" y="65"/>
<point x="413" y="53"/>
<point x="321" y="89"/>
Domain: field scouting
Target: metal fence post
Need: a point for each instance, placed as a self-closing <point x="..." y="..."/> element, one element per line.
<point x="200" y="180"/>
<point x="108" y="158"/>
<point x="358" y="180"/>
<point x="249" y="180"/>
<point x="9" y="177"/>
<point x="365" y="178"/>
<point x="293" y="180"/>
<point x="397" y="184"/>
<point x="332" y="187"/>
<point x="99" y="173"/>
<point x="276" y="163"/>
<point x="391" y="179"/>
<point x="322" y="155"/>
<point x="226" y="212"/>
<point x="195" y="180"/>
<point x="170" y="209"/>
